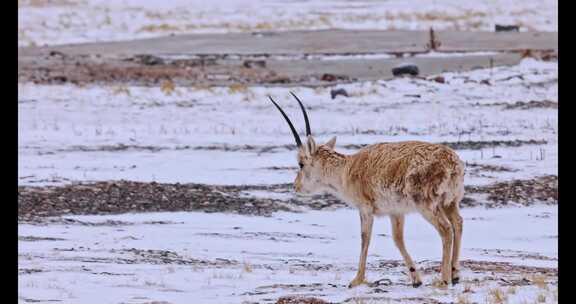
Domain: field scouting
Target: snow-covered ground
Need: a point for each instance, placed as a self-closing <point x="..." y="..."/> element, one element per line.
<point x="222" y="258"/>
<point x="503" y="122"/>
<point x="235" y="135"/>
<point x="49" y="22"/>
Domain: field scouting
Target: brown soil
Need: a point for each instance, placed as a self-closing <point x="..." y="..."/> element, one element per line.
<point x="521" y="105"/>
<point x="126" y="196"/>
<point x="300" y="300"/>
<point x="543" y="189"/>
<point x="58" y="68"/>
<point x="477" y="145"/>
<point x="460" y="145"/>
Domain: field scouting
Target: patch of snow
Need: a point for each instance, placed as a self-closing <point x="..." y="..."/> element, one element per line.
<point x="216" y="135"/>
<point x="95" y="264"/>
<point x="58" y="22"/>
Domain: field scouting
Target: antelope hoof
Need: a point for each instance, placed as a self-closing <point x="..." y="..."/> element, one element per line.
<point x="356" y="282"/>
<point x="417" y="284"/>
<point x="455" y="281"/>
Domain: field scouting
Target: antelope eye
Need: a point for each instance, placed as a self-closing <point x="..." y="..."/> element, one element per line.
<point x="301" y="165"/>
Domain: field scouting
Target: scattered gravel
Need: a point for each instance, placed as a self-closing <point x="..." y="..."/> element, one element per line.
<point x="477" y="145"/>
<point x="459" y="145"/>
<point x="126" y="196"/>
<point x="300" y="300"/>
<point x="543" y="189"/>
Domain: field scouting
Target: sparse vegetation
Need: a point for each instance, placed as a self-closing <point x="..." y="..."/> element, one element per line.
<point x="463" y="299"/>
<point x="496" y="296"/>
<point x="438" y="283"/>
<point x="167" y="87"/>
<point x="87" y="118"/>
<point x="247" y="267"/>
<point x="159" y="28"/>
<point x="121" y="90"/>
<point x="541" y="298"/>
<point x="540" y="281"/>
<point x="237" y="88"/>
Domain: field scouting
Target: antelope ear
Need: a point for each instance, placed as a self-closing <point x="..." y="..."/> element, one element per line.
<point x="311" y="145"/>
<point x="331" y="143"/>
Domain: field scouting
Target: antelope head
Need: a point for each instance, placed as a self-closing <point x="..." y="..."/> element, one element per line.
<point x="316" y="162"/>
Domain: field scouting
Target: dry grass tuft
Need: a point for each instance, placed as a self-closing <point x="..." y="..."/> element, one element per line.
<point x="158" y="28"/>
<point x="168" y="87"/>
<point x="247" y="267"/>
<point x="203" y="87"/>
<point x="496" y="296"/>
<point x="438" y="283"/>
<point x="463" y="299"/>
<point x="121" y="90"/>
<point x="540" y="281"/>
<point x="237" y="88"/>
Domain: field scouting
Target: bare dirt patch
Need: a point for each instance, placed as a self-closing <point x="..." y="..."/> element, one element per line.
<point x="479" y="273"/>
<point x="520" y="105"/>
<point x="490" y="168"/>
<point x="37" y="238"/>
<point x="476" y="145"/>
<point x="458" y="145"/>
<point x="300" y="300"/>
<point x="532" y="105"/>
<point x="543" y="189"/>
<point x="126" y="196"/>
<point x="58" y="68"/>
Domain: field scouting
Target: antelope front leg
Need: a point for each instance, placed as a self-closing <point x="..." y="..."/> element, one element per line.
<point x="398" y="235"/>
<point x="366" y="220"/>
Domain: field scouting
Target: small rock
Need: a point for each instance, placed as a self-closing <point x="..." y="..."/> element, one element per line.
<point x="279" y="79"/>
<point x="439" y="79"/>
<point x="333" y="77"/>
<point x="381" y="282"/>
<point x="264" y="34"/>
<point x="506" y="28"/>
<point x="254" y="64"/>
<point x="60" y="78"/>
<point x="405" y="68"/>
<point x="57" y="54"/>
<point x="148" y="60"/>
<point x="336" y="92"/>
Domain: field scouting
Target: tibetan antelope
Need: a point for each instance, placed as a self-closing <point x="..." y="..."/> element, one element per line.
<point x="389" y="179"/>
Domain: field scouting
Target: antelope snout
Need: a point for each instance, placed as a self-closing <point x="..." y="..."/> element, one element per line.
<point x="298" y="187"/>
<point x="301" y="190"/>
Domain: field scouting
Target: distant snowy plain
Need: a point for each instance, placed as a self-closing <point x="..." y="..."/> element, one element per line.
<point x="234" y="136"/>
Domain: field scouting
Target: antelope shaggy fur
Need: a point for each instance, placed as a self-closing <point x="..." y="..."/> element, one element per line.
<point x="389" y="179"/>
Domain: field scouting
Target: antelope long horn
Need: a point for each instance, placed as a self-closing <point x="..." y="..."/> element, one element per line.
<point x="296" y="136"/>
<point x="308" y="132"/>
